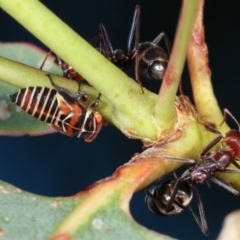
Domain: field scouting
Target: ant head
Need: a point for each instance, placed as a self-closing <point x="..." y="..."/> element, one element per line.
<point x="161" y="200"/>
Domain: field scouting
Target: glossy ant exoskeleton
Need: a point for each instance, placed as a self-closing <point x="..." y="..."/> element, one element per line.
<point x="148" y="58"/>
<point x="173" y="196"/>
<point x="217" y="160"/>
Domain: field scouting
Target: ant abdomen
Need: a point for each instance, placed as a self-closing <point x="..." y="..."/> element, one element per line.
<point x="153" y="60"/>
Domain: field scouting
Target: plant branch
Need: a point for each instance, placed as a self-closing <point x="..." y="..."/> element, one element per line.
<point x="141" y="171"/>
<point x="200" y="74"/>
<point x="130" y="108"/>
<point x="171" y="80"/>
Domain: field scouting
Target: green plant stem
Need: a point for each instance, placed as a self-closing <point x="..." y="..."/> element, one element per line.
<point x="200" y="74"/>
<point x="131" y="109"/>
<point x="22" y="76"/>
<point x="141" y="171"/>
<point x="164" y="112"/>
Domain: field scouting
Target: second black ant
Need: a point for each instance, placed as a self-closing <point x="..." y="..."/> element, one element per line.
<point x="148" y="58"/>
<point x="171" y="197"/>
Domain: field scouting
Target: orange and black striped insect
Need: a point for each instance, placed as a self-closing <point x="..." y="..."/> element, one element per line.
<point x="61" y="108"/>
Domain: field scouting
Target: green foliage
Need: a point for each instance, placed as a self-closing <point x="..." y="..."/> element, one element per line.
<point x="169" y="124"/>
<point x="28" y="216"/>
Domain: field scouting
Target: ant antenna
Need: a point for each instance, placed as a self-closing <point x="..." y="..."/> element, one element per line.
<point x="227" y="112"/>
<point x="202" y="223"/>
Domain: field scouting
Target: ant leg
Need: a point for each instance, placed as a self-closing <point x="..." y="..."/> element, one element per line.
<point x="97" y="43"/>
<point x="45" y="59"/>
<point x="51" y="81"/>
<point x="184" y="160"/>
<point x="134" y="30"/>
<point x="59" y="61"/>
<point x="83" y="96"/>
<point x="181" y="88"/>
<point x="210" y="145"/>
<point x="80" y="96"/>
<point x="230" y="170"/>
<point x="173" y="194"/>
<point x="235" y="163"/>
<point x="135" y="26"/>
<point x="224" y="116"/>
<point x="137" y="71"/>
<point x="224" y="185"/>
<point x="108" y="49"/>
<point x="202" y="223"/>
<point x="211" y="129"/>
<point x="167" y="42"/>
<point x="175" y="175"/>
<point x="210" y="126"/>
<point x="95" y="39"/>
<point x="96" y="103"/>
<point x="135" y="55"/>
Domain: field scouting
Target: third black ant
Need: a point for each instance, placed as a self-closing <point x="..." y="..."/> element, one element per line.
<point x="68" y="71"/>
<point x="171" y="197"/>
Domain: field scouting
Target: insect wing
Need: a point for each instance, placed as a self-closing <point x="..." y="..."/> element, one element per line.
<point x="58" y="108"/>
<point x="70" y="115"/>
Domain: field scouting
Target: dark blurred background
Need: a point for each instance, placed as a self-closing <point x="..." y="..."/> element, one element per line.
<point x="55" y="165"/>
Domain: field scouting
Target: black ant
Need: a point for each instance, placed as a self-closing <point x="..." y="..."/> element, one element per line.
<point x="173" y="196"/>
<point x="148" y="58"/>
<point x="68" y="71"/>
